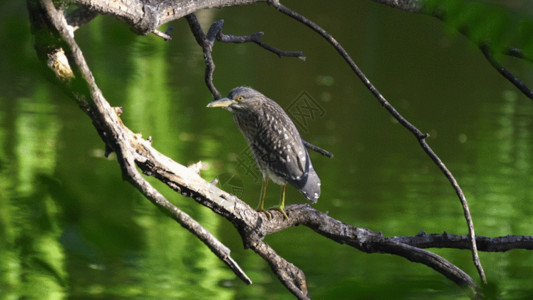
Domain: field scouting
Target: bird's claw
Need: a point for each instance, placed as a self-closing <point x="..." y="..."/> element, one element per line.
<point x="280" y="209"/>
<point x="268" y="214"/>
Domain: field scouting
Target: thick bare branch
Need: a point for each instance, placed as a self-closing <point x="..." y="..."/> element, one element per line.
<point x="80" y="17"/>
<point x="488" y="244"/>
<point x="48" y="21"/>
<point x="145" y="16"/>
<point x="365" y="240"/>
<point x="131" y="174"/>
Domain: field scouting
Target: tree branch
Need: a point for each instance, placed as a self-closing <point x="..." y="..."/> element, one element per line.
<point x="206" y="41"/>
<point x="48" y="22"/>
<point x="488" y="244"/>
<point x="145" y="16"/>
<point x="519" y="84"/>
<point x="289" y="274"/>
<point x="80" y="17"/>
<point x="207" y="48"/>
<point x="410" y="127"/>
<point x="367" y="241"/>
<point x="256" y="38"/>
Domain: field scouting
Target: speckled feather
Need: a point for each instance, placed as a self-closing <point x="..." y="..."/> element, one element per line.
<point x="275" y="142"/>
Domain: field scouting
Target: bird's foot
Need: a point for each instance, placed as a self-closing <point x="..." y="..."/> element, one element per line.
<point x="268" y="214"/>
<point x="280" y="209"/>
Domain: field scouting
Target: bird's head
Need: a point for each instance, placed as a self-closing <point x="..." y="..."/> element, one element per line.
<point x="240" y="98"/>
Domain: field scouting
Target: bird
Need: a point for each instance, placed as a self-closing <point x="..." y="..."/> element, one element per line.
<point x="278" y="149"/>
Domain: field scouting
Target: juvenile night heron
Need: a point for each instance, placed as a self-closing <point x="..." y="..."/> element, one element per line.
<point x="277" y="147"/>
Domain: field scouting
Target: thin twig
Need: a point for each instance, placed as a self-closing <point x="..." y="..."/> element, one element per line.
<point x="206" y="41"/>
<point x="505" y="72"/>
<point x="410" y="127"/>
<point x="207" y="48"/>
<point x="256" y="38"/>
<point x="165" y="36"/>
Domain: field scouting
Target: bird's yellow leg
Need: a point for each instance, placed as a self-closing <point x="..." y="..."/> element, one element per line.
<point x="281" y="205"/>
<point x="261" y="206"/>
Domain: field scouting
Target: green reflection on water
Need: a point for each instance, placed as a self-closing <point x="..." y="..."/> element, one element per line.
<point x="171" y="253"/>
<point x="33" y="260"/>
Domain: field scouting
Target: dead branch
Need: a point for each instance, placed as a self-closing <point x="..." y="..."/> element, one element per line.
<point x="206" y="41"/>
<point x="145" y="16"/>
<point x="519" y="84"/>
<point x="421" y="137"/>
<point x="488" y="244"/>
<point x="53" y="36"/>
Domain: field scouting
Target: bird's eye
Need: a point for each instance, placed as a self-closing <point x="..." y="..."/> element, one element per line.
<point x="240" y="98"/>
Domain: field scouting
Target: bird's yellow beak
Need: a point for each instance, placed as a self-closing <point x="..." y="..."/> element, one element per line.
<point x="224" y="102"/>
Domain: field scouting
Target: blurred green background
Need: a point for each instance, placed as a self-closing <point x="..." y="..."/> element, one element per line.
<point x="71" y="228"/>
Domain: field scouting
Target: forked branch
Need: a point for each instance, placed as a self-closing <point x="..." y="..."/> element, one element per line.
<point x="206" y="41"/>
